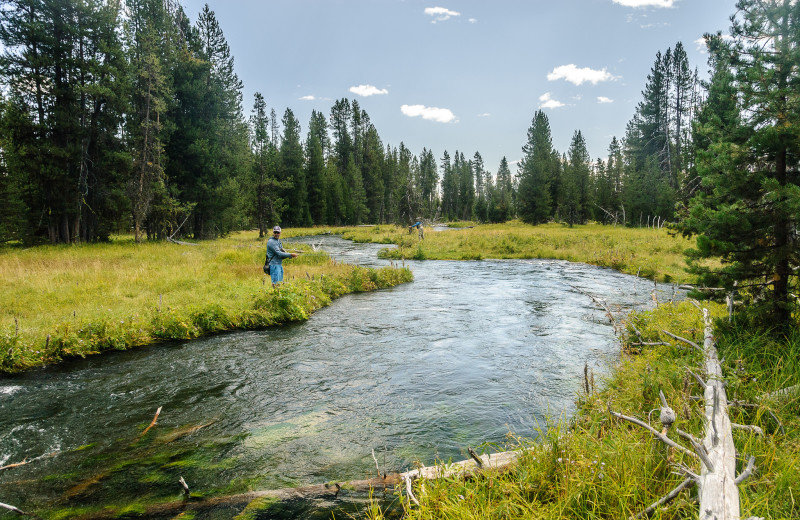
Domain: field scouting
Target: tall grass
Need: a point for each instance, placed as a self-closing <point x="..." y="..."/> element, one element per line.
<point x="651" y="253"/>
<point x="594" y="466"/>
<point x="58" y="301"/>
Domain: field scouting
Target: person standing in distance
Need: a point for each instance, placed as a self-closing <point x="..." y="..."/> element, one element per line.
<point x="275" y="256"/>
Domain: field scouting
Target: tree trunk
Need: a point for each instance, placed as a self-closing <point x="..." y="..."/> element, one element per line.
<point x="718" y="494"/>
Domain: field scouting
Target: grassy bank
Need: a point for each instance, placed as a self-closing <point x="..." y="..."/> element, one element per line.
<point x="595" y="466"/>
<point x="60" y="301"/>
<point x="651" y="253"/>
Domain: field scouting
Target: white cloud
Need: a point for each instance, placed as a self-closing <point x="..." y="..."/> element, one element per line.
<point x="473" y="20"/>
<point x="651" y="25"/>
<point x="307" y="98"/>
<point x="368" y="90"/>
<point x="603" y="99"/>
<point x="549" y="102"/>
<point x="485" y="114"/>
<point x="645" y="3"/>
<point x="440" y="14"/>
<point x="440" y="115"/>
<point x="577" y="76"/>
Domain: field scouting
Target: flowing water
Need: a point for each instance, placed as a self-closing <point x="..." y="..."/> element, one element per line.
<point x="466" y="354"/>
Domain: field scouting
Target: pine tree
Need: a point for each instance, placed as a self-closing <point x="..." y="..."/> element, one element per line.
<point x="315" y="166"/>
<point x="466" y="186"/>
<point x="266" y="190"/>
<point x="747" y="212"/>
<point x="428" y="181"/>
<point x="292" y="172"/>
<point x="480" y="206"/>
<point x="535" y="170"/>
<point x="575" y="194"/>
<point x="449" y="188"/>
<point x="501" y="207"/>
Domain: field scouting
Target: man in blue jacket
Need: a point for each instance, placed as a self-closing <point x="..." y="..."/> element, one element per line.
<point x="275" y="256"/>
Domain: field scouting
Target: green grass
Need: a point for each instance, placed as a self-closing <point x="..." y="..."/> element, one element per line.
<point x="650" y="253"/>
<point x="595" y="466"/>
<point x="61" y="301"/>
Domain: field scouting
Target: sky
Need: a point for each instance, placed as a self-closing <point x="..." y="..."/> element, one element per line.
<point x="465" y="75"/>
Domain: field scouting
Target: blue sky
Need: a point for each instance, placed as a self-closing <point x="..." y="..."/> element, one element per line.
<point x="464" y="75"/>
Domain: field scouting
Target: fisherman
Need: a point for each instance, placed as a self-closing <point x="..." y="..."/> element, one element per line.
<point x="418" y="225"/>
<point x="275" y="256"/>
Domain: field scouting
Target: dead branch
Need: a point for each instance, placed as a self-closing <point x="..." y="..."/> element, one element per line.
<point x="181" y="243"/>
<point x="14" y="509"/>
<point x="15" y="465"/>
<point x="185" y="487"/>
<point x="152" y="423"/>
<point x="744" y="475"/>
<point x="698" y="448"/>
<point x="377" y="468"/>
<point x="409" y="491"/>
<point x="475" y="457"/>
<point x="666" y="440"/>
<point x="697" y="378"/>
<point x="692" y="343"/>
<point x="666" y="499"/>
<point x="601" y="303"/>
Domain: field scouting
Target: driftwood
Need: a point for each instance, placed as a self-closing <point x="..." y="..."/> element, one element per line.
<point x="719" y="496"/>
<point x="14" y="465"/>
<point x="602" y="304"/>
<point x="319" y="491"/>
<point x="331" y="490"/>
<point x="14" y="509"/>
<point x="152" y="423"/>
<point x="28" y="461"/>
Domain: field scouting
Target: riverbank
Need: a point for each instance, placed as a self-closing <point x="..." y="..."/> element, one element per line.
<point x="66" y="301"/>
<point x="650" y="253"/>
<point x="596" y="466"/>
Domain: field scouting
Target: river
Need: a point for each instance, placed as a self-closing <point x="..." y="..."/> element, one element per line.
<point x="466" y="354"/>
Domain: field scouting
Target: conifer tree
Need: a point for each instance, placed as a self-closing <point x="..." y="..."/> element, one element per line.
<point x="292" y="172"/>
<point x="315" y="166"/>
<point x="429" y="179"/>
<point x="535" y="170"/>
<point x="746" y="213"/>
<point x="449" y="188"/>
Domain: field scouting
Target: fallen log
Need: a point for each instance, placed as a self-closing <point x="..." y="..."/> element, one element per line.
<point x="716" y="481"/>
<point x="328" y="490"/>
<point x="465" y="468"/>
<point x="717" y="491"/>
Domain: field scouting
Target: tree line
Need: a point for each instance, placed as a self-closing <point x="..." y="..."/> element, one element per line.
<point x="125" y="116"/>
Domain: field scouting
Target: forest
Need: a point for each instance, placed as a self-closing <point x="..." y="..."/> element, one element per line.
<point x="127" y="117"/>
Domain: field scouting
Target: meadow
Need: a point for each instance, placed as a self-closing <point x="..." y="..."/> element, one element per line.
<point x="61" y="301"/>
<point x="650" y="253"/>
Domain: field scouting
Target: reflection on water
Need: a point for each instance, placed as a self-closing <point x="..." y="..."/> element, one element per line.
<point x="465" y="354"/>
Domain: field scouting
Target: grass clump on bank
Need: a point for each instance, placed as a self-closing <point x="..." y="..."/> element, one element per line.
<point x="651" y="253"/>
<point x="61" y="301"/>
<point x="595" y="466"/>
